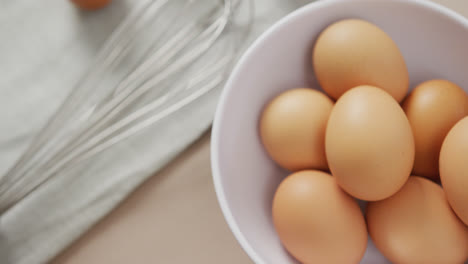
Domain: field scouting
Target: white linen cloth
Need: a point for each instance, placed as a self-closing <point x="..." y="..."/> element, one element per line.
<point x="45" y="47"/>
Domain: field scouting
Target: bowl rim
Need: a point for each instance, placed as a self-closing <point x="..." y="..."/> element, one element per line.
<point x="229" y="87"/>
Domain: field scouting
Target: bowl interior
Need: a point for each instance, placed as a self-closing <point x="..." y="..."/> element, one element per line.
<point x="432" y="39"/>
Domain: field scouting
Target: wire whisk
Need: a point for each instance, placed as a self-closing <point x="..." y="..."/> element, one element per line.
<point x="163" y="56"/>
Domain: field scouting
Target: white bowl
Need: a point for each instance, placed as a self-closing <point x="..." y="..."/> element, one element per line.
<point x="433" y="40"/>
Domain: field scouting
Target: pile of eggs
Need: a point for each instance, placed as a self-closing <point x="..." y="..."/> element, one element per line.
<point x="366" y="138"/>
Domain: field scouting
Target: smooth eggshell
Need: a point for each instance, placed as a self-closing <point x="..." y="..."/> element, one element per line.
<point x="354" y="52"/>
<point x="369" y="144"/>
<point x="91" y="4"/>
<point x="292" y="129"/>
<point x="316" y="221"/>
<point x="416" y="225"/>
<point x="454" y="168"/>
<point x="433" y="108"/>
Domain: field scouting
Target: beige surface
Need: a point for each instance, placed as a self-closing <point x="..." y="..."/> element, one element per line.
<point x="173" y="218"/>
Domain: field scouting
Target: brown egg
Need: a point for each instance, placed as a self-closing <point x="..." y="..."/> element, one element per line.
<point x="369" y="144"/>
<point x="91" y="4"/>
<point x="416" y="225"/>
<point x="454" y="168"/>
<point x="354" y="52"/>
<point x="292" y="129"/>
<point x="316" y="221"/>
<point x="432" y="108"/>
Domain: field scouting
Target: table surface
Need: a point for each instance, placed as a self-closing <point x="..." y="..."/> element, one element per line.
<point x="174" y="217"/>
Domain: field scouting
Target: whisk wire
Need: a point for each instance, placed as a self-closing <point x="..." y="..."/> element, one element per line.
<point x="108" y="56"/>
<point x="104" y="124"/>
